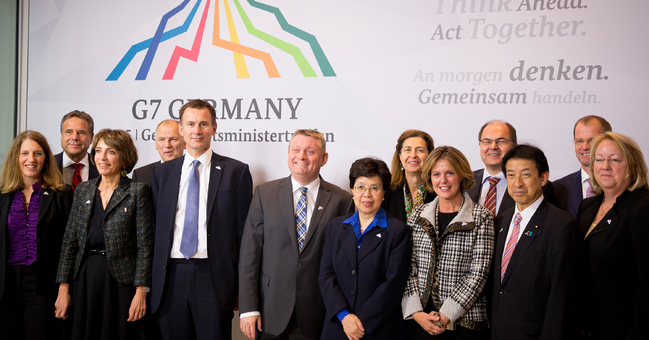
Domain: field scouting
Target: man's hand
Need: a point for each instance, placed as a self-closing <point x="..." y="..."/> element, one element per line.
<point x="248" y="325"/>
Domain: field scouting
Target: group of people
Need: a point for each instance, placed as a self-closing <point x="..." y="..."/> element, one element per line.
<point x="427" y="249"/>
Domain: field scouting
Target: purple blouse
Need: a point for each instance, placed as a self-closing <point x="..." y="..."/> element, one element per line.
<point x="22" y="228"/>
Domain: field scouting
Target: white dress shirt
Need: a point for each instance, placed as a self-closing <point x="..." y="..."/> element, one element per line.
<point x="584" y="183"/>
<point x="68" y="169"/>
<point x="526" y="216"/>
<point x="204" y="186"/>
<point x="501" y="187"/>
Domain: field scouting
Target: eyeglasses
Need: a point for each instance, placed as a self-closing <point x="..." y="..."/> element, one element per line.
<point x="360" y="189"/>
<point x="579" y="142"/>
<point x="499" y="141"/>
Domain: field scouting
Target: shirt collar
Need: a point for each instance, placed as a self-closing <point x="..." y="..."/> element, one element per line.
<point x="527" y="214"/>
<point x="66" y="162"/>
<point x="309" y="187"/>
<point x="486" y="175"/>
<point x="205" y="159"/>
<point x="380" y="220"/>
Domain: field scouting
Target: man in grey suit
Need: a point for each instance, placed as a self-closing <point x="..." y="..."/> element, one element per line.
<point x="573" y="188"/>
<point x="169" y="144"/>
<point x="284" y="234"/>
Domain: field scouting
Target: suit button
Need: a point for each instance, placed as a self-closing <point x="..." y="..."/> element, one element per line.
<point x="501" y="292"/>
<point x="353" y="271"/>
<point x="353" y="293"/>
<point x="299" y="264"/>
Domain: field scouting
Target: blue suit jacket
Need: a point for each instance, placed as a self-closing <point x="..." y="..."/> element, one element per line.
<point x="228" y="200"/>
<point x="569" y="193"/>
<point x="369" y="281"/>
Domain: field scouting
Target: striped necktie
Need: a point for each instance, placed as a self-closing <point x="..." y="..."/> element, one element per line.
<point x="509" y="249"/>
<point x="300" y="218"/>
<point x="76" y="177"/>
<point x="490" y="200"/>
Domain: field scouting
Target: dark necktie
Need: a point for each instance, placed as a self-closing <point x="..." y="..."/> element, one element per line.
<point x="490" y="200"/>
<point x="300" y="218"/>
<point x="76" y="177"/>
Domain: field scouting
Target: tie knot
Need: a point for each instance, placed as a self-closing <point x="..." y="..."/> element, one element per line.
<point x="303" y="190"/>
<point x="196" y="163"/>
<point x="77" y="165"/>
<point x="493" y="180"/>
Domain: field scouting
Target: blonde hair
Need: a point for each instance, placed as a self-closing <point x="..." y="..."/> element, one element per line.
<point x="398" y="174"/>
<point x="636" y="166"/>
<point x="455" y="159"/>
<point x="12" y="177"/>
<point x="313" y="134"/>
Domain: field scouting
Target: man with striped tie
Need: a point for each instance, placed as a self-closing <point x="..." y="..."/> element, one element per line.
<point x="535" y="256"/>
<point x="77" y="130"/>
<point x="279" y="296"/>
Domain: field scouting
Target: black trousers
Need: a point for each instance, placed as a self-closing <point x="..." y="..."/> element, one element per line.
<point x="189" y="308"/>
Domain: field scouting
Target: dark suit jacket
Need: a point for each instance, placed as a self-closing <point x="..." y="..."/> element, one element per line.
<point x="394" y="203"/>
<point x="507" y="201"/>
<point x="143" y="174"/>
<point x="569" y="193"/>
<point x="533" y="301"/>
<point x="274" y="277"/>
<point x="92" y="170"/>
<point x="228" y="199"/>
<point x="52" y="216"/>
<point x="368" y="281"/>
<point x="128" y="232"/>
<point x="615" y="267"/>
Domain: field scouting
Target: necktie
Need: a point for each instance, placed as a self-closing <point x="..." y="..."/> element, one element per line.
<point x="189" y="242"/>
<point x="589" y="191"/>
<point x="511" y="244"/>
<point x="300" y="218"/>
<point x="76" y="177"/>
<point x="490" y="201"/>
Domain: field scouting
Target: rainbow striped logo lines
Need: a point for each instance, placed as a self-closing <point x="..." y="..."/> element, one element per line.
<point x="164" y="34"/>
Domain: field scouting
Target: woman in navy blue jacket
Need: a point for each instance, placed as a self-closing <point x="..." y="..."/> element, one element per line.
<point x="365" y="262"/>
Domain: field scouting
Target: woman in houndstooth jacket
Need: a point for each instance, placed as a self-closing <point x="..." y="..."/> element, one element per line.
<point x="452" y="246"/>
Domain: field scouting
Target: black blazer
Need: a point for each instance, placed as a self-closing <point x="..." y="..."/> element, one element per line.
<point x="228" y="200"/>
<point x="143" y="174"/>
<point x="92" y="170"/>
<point x="533" y="301"/>
<point x="52" y="216"/>
<point x="394" y="203"/>
<point x="569" y="193"/>
<point x="614" y="276"/>
<point x="369" y="281"/>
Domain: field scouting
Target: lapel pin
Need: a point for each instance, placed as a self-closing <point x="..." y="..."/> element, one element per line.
<point x="125" y="210"/>
<point x="320" y="207"/>
<point x="529" y="233"/>
<point x="536" y="227"/>
<point x="378" y="235"/>
<point x="218" y="167"/>
<point x="501" y="230"/>
<point x="609" y="221"/>
<point x="46" y="193"/>
<point x="463" y="224"/>
<point x="88" y="202"/>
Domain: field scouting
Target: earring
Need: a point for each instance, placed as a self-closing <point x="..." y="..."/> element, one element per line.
<point x="123" y="173"/>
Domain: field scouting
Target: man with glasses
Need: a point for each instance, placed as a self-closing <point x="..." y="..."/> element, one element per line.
<point x="279" y="296"/>
<point x="575" y="187"/>
<point x="490" y="190"/>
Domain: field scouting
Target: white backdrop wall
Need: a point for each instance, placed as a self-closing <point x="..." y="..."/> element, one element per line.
<point x="359" y="71"/>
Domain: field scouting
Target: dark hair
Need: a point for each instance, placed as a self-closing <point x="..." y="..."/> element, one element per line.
<point x="587" y="120"/>
<point x="80" y="115"/>
<point x="370" y="167"/>
<point x="455" y="159"/>
<point x="198" y="104"/>
<point x="512" y="130"/>
<point x="529" y="152"/>
<point x="398" y="176"/>
<point x="121" y="141"/>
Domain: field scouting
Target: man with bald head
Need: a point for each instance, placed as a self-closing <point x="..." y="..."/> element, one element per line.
<point x="169" y="144"/>
<point x="574" y="188"/>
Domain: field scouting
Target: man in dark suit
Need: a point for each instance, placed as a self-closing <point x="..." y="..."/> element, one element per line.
<point x="573" y="188"/>
<point x="201" y="201"/>
<point x="535" y="257"/>
<point x="490" y="189"/>
<point x="77" y="130"/>
<point x="278" y="274"/>
<point x="169" y="144"/>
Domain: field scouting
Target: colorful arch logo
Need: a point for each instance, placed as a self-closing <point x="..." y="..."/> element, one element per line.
<point x="163" y="34"/>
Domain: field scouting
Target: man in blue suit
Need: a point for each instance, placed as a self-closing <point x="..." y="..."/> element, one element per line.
<point x="572" y="189"/>
<point x="201" y="202"/>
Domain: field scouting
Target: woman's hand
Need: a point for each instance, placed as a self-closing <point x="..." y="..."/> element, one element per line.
<point x="138" y="305"/>
<point x="427" y="322"/>
<point x="353" y="327"/>
<point x="62" y="303"/>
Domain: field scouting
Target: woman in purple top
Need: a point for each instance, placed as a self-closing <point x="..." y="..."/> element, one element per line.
<point x="34" y="208"/>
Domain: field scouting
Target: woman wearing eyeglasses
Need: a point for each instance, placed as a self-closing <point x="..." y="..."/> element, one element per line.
<point x="365" y="262"/>
<point x="615" y="225"/>
<point x="452" y="246"/>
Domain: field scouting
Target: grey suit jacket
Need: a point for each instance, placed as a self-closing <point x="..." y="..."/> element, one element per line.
<point x="274" y="277"/>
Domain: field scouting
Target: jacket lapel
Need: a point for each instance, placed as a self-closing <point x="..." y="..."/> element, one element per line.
<point x="285" y="197"/>
<point x="530" y="233"/>
<point x="215" y="179"/>
<point x="324" y="196"/>
<point x="578" y="196"/>
<point x="46" y="200"/>
<point x="118" y="196"/>
<point x="370" y="241"/>
<point x="348" y="243"/>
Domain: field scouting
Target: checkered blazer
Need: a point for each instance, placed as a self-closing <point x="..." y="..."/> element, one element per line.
<point x="451" y="268"/>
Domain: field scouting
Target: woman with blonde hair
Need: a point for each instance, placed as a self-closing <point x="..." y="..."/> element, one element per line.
<point x="34" y="208"/>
